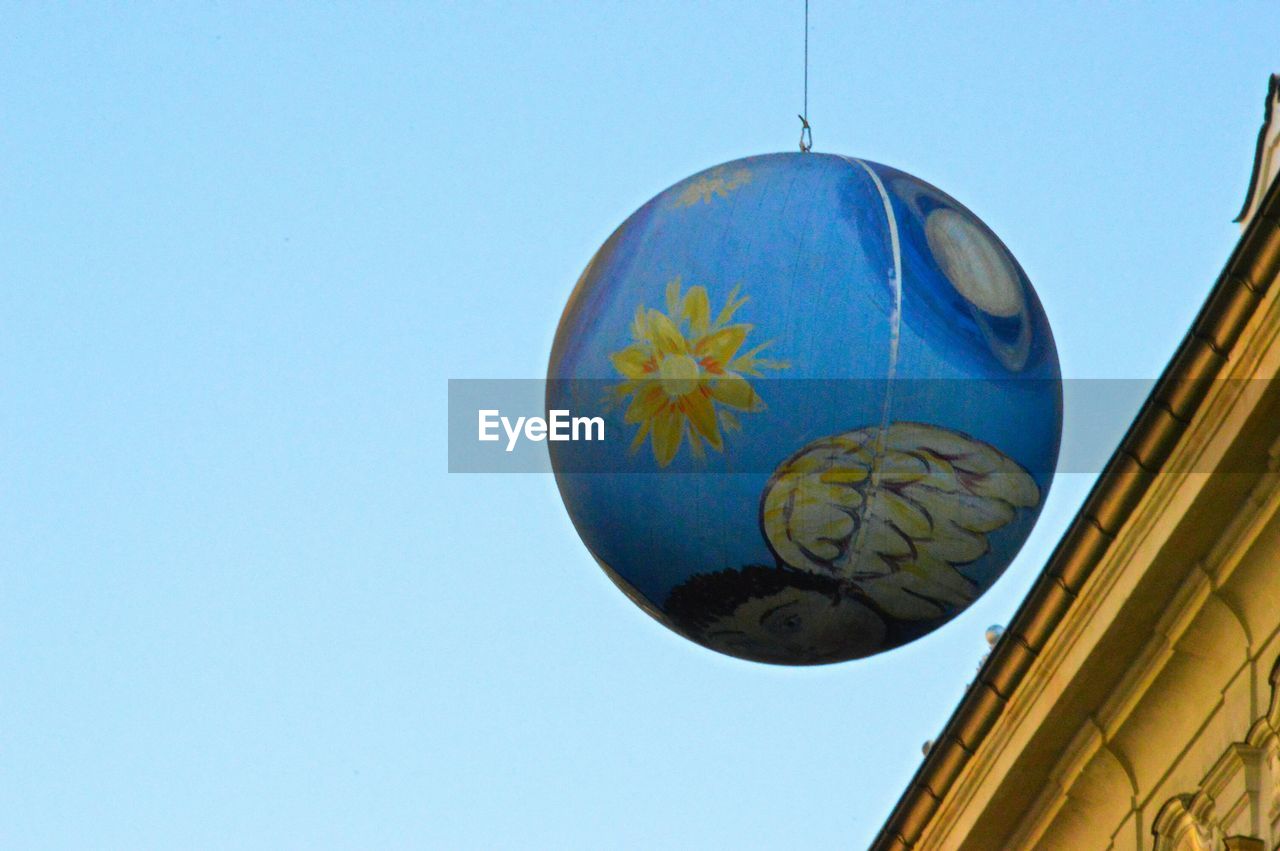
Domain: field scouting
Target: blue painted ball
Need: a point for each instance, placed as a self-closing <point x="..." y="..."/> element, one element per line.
<point x="831" y="407"/>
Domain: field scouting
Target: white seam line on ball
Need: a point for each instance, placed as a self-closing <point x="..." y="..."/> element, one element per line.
<point x="895" y="321"/>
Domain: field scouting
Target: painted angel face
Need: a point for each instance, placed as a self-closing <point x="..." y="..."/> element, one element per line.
<point x="798" y="627"/>
<point x="776" y="615"/>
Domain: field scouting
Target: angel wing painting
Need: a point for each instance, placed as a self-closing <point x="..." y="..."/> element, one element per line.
<point x="895" y="512"/>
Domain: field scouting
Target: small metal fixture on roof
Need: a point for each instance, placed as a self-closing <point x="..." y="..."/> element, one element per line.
<point x="926" y="747"/>
<point x="992" y="635"/>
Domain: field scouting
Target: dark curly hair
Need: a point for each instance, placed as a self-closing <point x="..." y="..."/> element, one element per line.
<point x="706" y="597"/>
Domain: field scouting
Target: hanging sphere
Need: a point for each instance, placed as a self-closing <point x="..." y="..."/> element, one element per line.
<point x="831" y="404"/>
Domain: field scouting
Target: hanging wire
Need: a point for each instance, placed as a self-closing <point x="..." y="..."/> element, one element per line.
<point x="806" y="132"/>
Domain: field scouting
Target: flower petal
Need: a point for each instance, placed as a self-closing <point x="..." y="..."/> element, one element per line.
<point x="721" y="345"/>
<point x="668" y="429"/>
<point x="731" y="305"/>
<point x="702" y="414"/>
<point x="673" y="296"/>
<point x="695" y="446"/>
<point x="647" y="402"/>
<point x="641" y="434"/>
<point x="735" y="392"/>
<point x="697" y="309"/>
<point x="665" y="336"/>
<point x="639" y="329"/>
<point x="631" y="361"/>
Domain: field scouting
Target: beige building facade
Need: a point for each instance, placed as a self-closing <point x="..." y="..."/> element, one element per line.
<point x="1133" y="703"/>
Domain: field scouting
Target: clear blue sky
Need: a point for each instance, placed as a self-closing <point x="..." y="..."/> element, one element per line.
<point x="244" y="246"/>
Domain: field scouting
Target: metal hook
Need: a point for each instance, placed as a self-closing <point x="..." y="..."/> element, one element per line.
<point x="806" y="135"/>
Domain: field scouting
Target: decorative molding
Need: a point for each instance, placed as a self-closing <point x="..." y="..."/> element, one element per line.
<point x="1178" y="828"/>
<point x="1196" y="822"/>
<point x="1245" y="843"/>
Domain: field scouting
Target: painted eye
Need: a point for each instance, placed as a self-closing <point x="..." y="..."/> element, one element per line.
<point x="784" y="621"/>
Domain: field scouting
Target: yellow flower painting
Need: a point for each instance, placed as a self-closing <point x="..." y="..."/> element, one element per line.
<point x="686" y="375"/>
